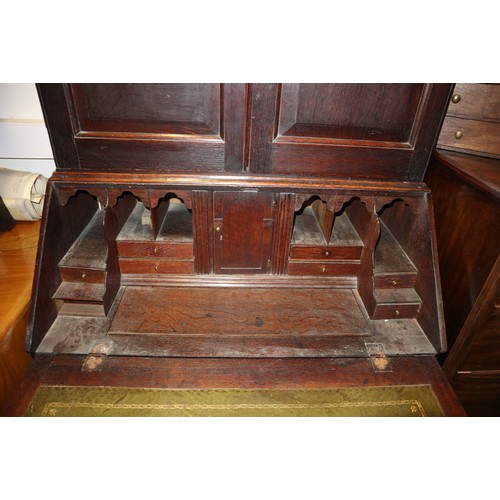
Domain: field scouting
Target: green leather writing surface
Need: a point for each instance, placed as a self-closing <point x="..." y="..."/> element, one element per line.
<point x="396" y="401"/>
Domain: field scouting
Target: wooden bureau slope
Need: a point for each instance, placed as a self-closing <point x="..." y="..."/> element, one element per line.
<point x="239" y="221"/>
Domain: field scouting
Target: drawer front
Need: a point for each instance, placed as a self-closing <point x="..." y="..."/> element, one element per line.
<point x="322" y="269"/>
<point x="155" y="249"/>
<point x="395" y="280"/>
<point x="461" y="134"/>
<point x="476" y="101"/>
<point x="395" y="311"/>
<point x="82" y="275"/>
<point x="325" y="253"/>
<point x="156" y="266"/>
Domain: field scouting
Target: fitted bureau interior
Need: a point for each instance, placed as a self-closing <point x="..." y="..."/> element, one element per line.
<point x="326" y="242"/>
<point x="128" y="278"/>
<point x="157" y="240"/>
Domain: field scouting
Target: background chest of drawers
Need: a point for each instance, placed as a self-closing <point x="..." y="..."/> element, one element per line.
<point x="464" y="175"/>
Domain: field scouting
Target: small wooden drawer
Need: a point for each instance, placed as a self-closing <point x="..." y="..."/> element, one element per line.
<point x="395" y="280"/>
<point x="82" y="275"/>
<point x="325" y="253"/>
<point x="298" y="268"/>
<point x="476" y="101"/>
<point x="155" y="249"/>
<point x="474" y="136"/>
<point x="157" y="266"/>
<point x="395" y="311"/>
<point x="472" y="123"/>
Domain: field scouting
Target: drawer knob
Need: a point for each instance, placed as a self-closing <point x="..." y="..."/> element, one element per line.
<point x="217" y="229"/>
<point x="155" y="250"/>
<point x="327" y="253"/>
<point x="156" y="267"/>
<point x="459" y="134"/>
<point x="84" y="275"/>
<point x="323" y="269"/>
<point x="456" y="98"/>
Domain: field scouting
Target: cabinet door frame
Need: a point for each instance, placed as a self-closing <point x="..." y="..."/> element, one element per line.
<point x="78" y="149"/>
<point x="270" y="153"/>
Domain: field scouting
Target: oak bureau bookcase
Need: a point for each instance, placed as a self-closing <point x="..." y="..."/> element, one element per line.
<point x="239" y="220"/>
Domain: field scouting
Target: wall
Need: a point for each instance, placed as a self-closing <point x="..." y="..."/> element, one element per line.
<point x="24" y="142"/>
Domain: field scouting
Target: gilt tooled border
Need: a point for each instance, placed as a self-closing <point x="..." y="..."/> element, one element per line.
<point x="51" y="409"/>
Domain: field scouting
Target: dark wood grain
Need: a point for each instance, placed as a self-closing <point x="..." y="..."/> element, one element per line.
<point x="329" y="130"/>
<point x="349" y="111"/>
<point x="168" y="108"/>
<point x="238" y="311"/>
<point x="412" y="227"/>
<point x="483" y="353"/>
<point x="282" y="232"/>
<point x="466" y="193"/>
<point x="60" y="229"/>
<point x="157" y="266"/>
<point x="265" y="205"/>
<point x="114" y="219"/>
<point x="168" y="127"/>
<point x="467" y="237"/>
<point x="475" y="113"/>
<point x="57" y="116"/>
<point x="243" y="224"/>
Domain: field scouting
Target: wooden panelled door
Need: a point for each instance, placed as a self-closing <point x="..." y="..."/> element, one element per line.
<point x="362" y="131"/>
<point x="158" y="126"/>
<point x="243" y="222"/>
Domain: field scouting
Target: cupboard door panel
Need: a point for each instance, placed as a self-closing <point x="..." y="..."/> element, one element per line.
<point x="242" y="232"/>
<point x="365" y="131"/>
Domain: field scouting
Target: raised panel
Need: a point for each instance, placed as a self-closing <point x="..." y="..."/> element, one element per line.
<point x="373" y="112"/>
<point x="156" y="108"/>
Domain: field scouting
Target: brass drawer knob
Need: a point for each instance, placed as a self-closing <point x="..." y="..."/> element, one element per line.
<point x="156" y="267"/>
<point x="84" y="275"/>
<point x="155" y="250"/>
<point x="459" y="134"/>
<point x="456" y="98"/>
<point x="327" y="253"/>
<point x="323" y="269"/>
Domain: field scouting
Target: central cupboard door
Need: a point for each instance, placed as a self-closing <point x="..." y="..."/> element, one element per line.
<point x="243" y="223"/>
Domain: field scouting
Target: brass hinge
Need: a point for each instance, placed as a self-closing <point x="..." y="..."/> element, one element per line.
<point x="94" y="362"/>
<point x="378" y="357"/>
